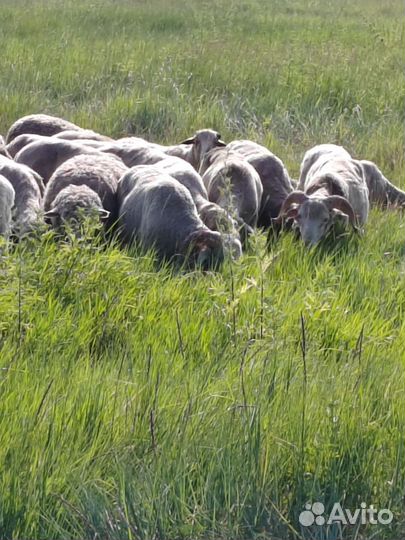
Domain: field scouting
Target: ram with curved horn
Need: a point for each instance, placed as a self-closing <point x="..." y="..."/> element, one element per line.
<point x="334" y="190"/>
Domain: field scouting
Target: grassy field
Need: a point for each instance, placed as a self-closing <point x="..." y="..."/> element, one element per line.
<point x="141" y="404"/>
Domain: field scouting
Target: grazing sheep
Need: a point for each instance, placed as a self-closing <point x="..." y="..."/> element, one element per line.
<point x="180" y="170"/>
<point x="46" y="155"/>
<point x="176" y="167"/>
<point x="7" y="196"/>
<point x="273" y="175"/>
<point x="312" y="155"/>
<point x="135" y="152"/>
<point x="72" y="203"/>
<point x="78" y="134"/>
<point x="160" y="213"/>
<point x="23" y="140"/>
<point x="27" y="203"/>
<point x="3" y="148"/>
<point x="233" y="183"/>
<point x="215" y="217"/>
<point x="40" y="124"/>
<point x="381" y="191"/>
<point x="194" y="148"/>
<point x="97" y="171"/>
<point x="334" y="190"/>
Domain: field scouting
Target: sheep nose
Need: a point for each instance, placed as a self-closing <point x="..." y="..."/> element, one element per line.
<point x="309" y="241"/>
<point x="203" y="260"/>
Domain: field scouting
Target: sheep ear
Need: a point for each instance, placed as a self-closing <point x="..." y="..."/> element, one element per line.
<point x="104" y="214"/>
<point x="190" y="140"/>
<point x="51" y="214"/>
<point x="220" y="143"/>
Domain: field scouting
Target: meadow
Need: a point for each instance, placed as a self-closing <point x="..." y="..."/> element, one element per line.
<point x="147" y="404"/>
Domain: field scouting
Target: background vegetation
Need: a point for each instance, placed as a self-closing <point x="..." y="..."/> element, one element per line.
<point x="143" y="404"/>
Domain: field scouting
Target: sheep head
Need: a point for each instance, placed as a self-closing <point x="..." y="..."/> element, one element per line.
<point x="315" y="216"/>
<point x="204" y="249"/>
<point x="72" y="205"/>
<point x="203" y="141"/>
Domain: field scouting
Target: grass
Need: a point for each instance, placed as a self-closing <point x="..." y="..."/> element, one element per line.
<point x="145" y="404"/>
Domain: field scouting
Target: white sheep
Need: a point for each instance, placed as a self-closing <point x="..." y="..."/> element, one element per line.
<point x="273" y="175"/>
<point x="27" y="204"/>
<point x="81" y="134"/>
<point x="335" y="190"/>
<point x="40" y="124"/>
<point x="23" y="140"/>
<point x="381" y="191"/>
<point x="3" y="148"/>
<point x="47" y="154"/>
<point x="159" y="213"/>
<point x="7" y="196"/>
<point x="235" y="185"/>
<point x="194" y="148"/>
<point x="74" y="203"/>
<point x="312" y="155"/>
<point x="99" y="172"/>
<point x="215" y="217"/>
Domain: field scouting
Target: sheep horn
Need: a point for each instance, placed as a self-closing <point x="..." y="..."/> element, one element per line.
<point x="342" y="204"/>
<point x="296" y="197"/>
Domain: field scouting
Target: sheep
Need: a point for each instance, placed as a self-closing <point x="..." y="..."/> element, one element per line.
<point x="78" y="134"/>
<point x="73" y="203"/>
<point x="182" y="171"/>
<point x="176" y="167"/>
<point x="194" y="148"/>
<point x="23" y="140"/>
<point x="97" y="171"/>
<point x="273" y="175"/>
<point x="381" y="191"/>
<point x="312" y="155"/>
<point x="40" y="124"/>
<point x="335" y="190"/>
<point x="232" y="182"/>
<point x="27" y="203"/>
<point x="215" y="217"/>
<point x="46" y="155"/>
<point x="7" y="196"/>
<point x="135" y="151"/>
<point x="160" y="213"/>
<point x="3" y="148"/>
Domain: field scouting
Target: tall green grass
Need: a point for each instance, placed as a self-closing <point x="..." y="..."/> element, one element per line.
<point x="139" y="403"/>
